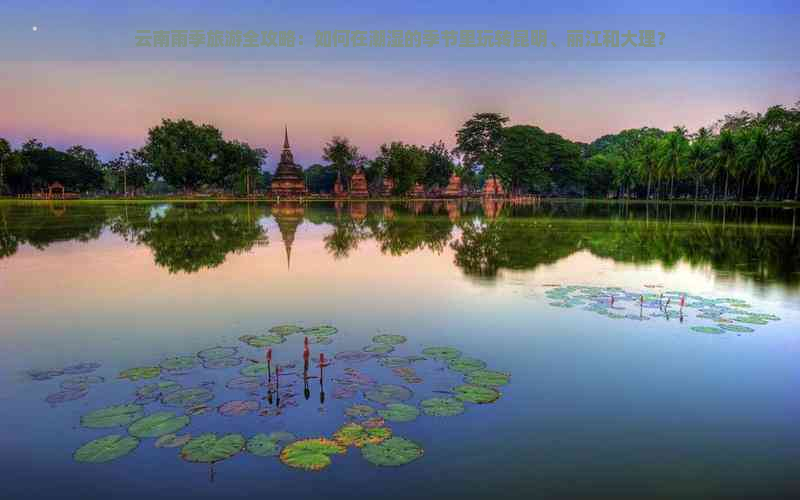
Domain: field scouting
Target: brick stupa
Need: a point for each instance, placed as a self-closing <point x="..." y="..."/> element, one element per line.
<point x="358" y="184"/>
<point x="493" y="188"/>
<point x="288" y="181"/>
<point x="453" y="189"/>
<point x="338" y="187"/>
<point x="387" y="187"/>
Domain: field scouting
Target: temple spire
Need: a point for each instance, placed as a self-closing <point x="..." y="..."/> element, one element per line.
<point x="285" y="137"/>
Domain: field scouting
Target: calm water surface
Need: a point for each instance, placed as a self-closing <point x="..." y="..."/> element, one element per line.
<point x="600" y="404"/>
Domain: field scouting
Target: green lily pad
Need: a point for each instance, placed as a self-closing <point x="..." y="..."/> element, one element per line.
<point x="379" y="348"/>
<point x="442" y="407"/>
<point x="399" y="412"/>
<point x="222" y="363"/>
<point x="142" y="372"/>
<point x="81" y="382"/>
<point x="389" y="339"/>
<point x="105" y="449"/>
<point x="477" y="394"/>
<point x="394" y="361"/>
<point x="282" y="437"/>
<point x="442" y="353"/>
<point x="392" y="452"/>
<point x="311" y="454"/>
<point x="153" y="392"/>
<point x="320" y="340"/>
<point x="66" y="395"/>
<point x="263" y="446"/>
<point x="353" y="434"/>
<point x="172" y="440"/>
<point x="707" y="329"/>
<point x="285" y="329"/>
<point x="359" y="411"/>
<point x="466" y="365"/>
<point x="179" y="363"/>
<point x="261" y="341"/>
<point x="188" y="397"/>
<point x="752" y="320"/>
<point x="321" y="331"/>
<point x="208" y="448"/>
<point x="489" y="378"/>
<point x="254" y="370"/>
<point x="158" y="424"/>
<point x="217" y="353"/>
<point x="388" y="393"/>
<point x="352" y="356"/>
<point x="737" y="328"/>
<point x="112" y="416"/>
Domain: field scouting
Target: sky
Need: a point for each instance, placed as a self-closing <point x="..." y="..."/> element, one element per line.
<point x="78" y="78"/>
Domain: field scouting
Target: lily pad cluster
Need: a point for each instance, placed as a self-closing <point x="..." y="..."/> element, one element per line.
<point x="726" y="314"/>
<point x="72" y="388"/>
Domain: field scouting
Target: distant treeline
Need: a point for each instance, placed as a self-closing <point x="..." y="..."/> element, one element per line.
<point x="743" y="156"/>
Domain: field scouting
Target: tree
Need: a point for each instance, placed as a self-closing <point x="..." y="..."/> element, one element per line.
<point x="758" y="156"/>
<point x="131" y="167"/>
<point x="5" y="162"/>
<point x="403" y="163"/>
<point x="184" y="154"/>
<point x="647" y="160"/>
<point x="478" y="141"/>
<point x="698" y="157"/>
<point x="439" y="166"/>
<point x="241" y="166"/>
<point x="675" y="146"/>
<point x="342" y="155"/>
<point x="320" y="178"/>
<point x="727" y="156"/>
<point x="524" y="159"/>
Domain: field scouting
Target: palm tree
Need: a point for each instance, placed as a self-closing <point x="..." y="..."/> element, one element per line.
<point x="647" y="160"/>
<point x="698" y="158"/>
<point x="727" y="156"/>
<point x="674" y="154"/>
<point x="759" y="156"/>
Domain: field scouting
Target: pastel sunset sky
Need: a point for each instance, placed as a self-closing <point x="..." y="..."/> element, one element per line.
<point x="79" y="79"/>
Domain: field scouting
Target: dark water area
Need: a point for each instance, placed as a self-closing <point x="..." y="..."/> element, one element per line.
<point x="636" y="350"/>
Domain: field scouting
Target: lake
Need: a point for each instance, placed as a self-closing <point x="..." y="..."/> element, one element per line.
<point x="549" y="350"/>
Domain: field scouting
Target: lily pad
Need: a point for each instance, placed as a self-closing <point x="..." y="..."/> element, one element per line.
<point x="353" y="356"/>
<point x="81" y="368"/>
<point x="442" y="353"/>
<point x="81" y="383"/>
<point x="379" y="348"/>
<point x="466" y="365"/>
<point x="245" y="383"/>
<point x="263" y="445"/>
<point x="261" y="341"/>
<point x="208" y="448"/>
<point x="707" y="329"/>
<point x="197" y="410"/>
<point x="217" y="353"/>
<point x="477" y="394"/>
<point x="64" y="396"/>
<point x="179" y="363"/>
<point x="282" y="437"/>
<point x="172" y="440"/>
<point x="112" y="416"/>
<point x="389" y="339"/>
<point x="321" y="331"/>
<point x="222" y="363"/>
<point x="737" y="328"/>
<point x="311" y="454"/>
<point x="188" y="397"/>
<point x="488" y="378"/>
<point x="105" y="449"/>
<point x="753" y="320"/>
<point x="320" y="340"/>
<point x="158" y="424"/>
<point x="238" y="408"/>
<point x="143" y="372"/>
<point x="442" y="407"/>
<point x="393" y="452"/>
<point x="154" y="392"/>
<point x="285" y="329"/>
<point x="399" y="412"/>
<point x="388" y="393"/>
<point x="353" y="434"/>
<point x="254" y="370"/>
<point x="359" y="411"/>
<point x="40" y="375"/>
<point x="394" y="361"/>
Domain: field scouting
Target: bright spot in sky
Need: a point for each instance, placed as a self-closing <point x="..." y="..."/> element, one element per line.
<point x="35" y="28"/>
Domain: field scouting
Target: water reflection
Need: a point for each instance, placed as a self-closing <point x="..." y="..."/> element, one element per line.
<point x="759" y="244"/>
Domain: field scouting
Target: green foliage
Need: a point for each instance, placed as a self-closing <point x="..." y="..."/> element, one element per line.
<point x="343" y="157"/>
<point x="188" y="397"/>
<point x="112" y="416"/>
<point x="487" y="378"/>
<point x="442" y="353"/>
<point x="403" y="163"/>
<point x="442" y="407"/>
<point x="466" y="365"/>
<point x="479" y="141"/>
<point x="389" y="339"/>
<point x="476" y="394"/>
<point x="158" y="424"/>
<point x="392" y="452"/>
<point x="143" y="372"/>
<point x="399" y="412"/>
<point x="311" y="454"/>
<point x="353" y="434"/>
<point x="388" y="393"/>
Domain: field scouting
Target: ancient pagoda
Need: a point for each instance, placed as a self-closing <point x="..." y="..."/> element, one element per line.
<point x="493" y="188"/>
<point x="418" y="191"/>
<point x="358" y="184"/>
<point x="387" y="188"/>
<point x="453" y="189"/>
<point x="288" y="181"/>
<point x="338" y="187"/>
